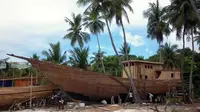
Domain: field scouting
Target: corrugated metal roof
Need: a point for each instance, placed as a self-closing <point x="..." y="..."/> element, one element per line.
<point x="19" y="65"/>
<point x="2" y="65"/>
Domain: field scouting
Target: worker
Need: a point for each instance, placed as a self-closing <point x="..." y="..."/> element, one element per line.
<point x="150" y="97"/>
<point x="59" y="100"/>
<point x="61" y="104"/>
<point x="58" y="96"/>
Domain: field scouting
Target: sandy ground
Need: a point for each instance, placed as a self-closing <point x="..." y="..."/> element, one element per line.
<point x="122" y="108"/>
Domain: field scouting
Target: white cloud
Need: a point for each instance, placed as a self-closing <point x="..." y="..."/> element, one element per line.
<point x="26" y="26"/>
<point x="172" y="40"/>
<point x="102" y="47"/>
<point x="23" y="44"/>
<point x="68" y="53"/>
<point x="29" y="15"/>
<point x="136" y="18"/>
<point x="135" y="40"/>
<point x="150" y="52"/>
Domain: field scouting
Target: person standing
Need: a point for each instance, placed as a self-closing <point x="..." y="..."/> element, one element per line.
<point x="150" y="97"/>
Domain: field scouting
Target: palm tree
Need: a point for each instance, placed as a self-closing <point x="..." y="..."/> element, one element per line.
<point x="197" y="39"/>
<point x="157" y="25"/>
<point x="119" y="11"/>
<point x="106" y="9"/>
<point x="75" y="33"/>
<point x="183" y="15"/>
<point x="194" y="22"/>
<point x="179" y="12"/>
<point x="79" y="57"/>
<point x="169" y="55"/>
<point x="123" y="50"/>
<point x="193" y="30"/>
<point x="103" y="7"/>
<point x="97" y="58"/>
<point x="93" y="22"/>
<point x="195" y="8"/>
<point x="54" y="54"/>
<point x="192" y="65"/>
<point x="35" y="56"/>
<point x="140" y="58"/>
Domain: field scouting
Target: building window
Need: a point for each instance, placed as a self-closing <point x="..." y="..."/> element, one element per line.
<point x="145" y="66"/>
<point x="172" y="75"/>
<point x="146" y="77"/>
<point x="132" y="64"/>
<point x="151" y="67"/>
<point x="140" y="76"/>
<point x="126" y="64"/>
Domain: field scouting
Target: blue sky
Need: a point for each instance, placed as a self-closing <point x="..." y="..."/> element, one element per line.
<point x="28" y="26"/>
<point x="138" y="47"/>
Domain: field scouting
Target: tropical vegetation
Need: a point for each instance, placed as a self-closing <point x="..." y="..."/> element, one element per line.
<point x="169" y="56"/>
<point x="124" y="51"/>
<point x="79" y="58"/>
<point x="180" y="16"/>
<point x="110" y="9"/>
<point x="93" y="22"/>
<point x="75" y="33"/>
<point x="35" y="56"/>
<point x="54" y="54"/>
<point x="157" y="26"/>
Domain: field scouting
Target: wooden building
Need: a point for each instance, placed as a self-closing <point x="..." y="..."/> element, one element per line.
<point x="149" y="70"/>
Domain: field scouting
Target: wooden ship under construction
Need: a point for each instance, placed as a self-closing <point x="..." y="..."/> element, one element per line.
<point x="19" y="89"/>
<point x="149" y="77"/>
<point x="20" y="93"/>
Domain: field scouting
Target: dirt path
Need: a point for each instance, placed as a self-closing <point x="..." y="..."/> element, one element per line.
<point x="123" y="108"/>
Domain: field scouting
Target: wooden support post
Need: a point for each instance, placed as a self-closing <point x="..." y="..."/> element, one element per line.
<point x="31" y="85"/>
<point x="116" y="72"/>
<point x="3" y="81"/>
<point x="36" y="76"/>
<point x="145" y="90"/>
<point x="169" y="90"/>
<point x="112" y="100"/>
<point x="13" y="79"/>
<point x="119" y="100"/>
<point x="20" y="77"/>
<point x="2" y="78"/>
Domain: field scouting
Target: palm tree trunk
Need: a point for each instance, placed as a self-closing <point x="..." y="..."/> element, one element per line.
<point x="195" y="9"/>
<point x="126" y="49"/>
<point x="125" y="43"/>
<point x="160" y="57"/>
<point x="182" y="64"/>
<point x="111" y="38"/>
<point x="192" y="65"/>
<point x="100" y="56"/>
<point x="135" y="93"/>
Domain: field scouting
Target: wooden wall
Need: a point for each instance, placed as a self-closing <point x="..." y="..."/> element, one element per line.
<point x="150" y="71"/>
<point x="170" y="75"/>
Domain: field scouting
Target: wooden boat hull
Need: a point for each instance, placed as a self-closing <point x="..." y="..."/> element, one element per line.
<point x="96" y="85"/>
<point x="8" y="95"/>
